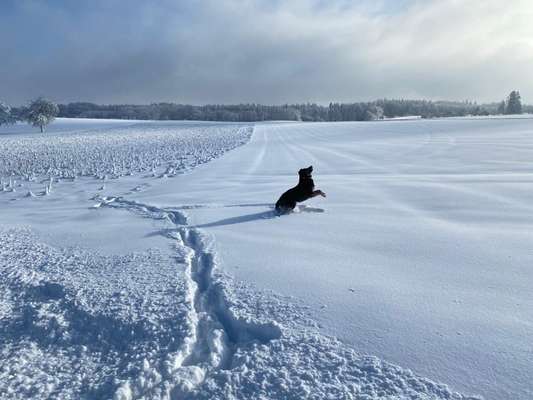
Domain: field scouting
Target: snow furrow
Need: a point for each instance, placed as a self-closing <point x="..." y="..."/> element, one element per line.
<point x="215" y="332"/>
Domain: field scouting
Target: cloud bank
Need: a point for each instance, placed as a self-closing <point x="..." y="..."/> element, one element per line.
<point x="262" y="51"/>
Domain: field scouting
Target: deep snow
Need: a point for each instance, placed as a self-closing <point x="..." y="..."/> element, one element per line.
<point x="419" y="256"/>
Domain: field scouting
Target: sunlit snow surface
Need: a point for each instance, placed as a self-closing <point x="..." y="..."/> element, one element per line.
<point x="119" y="239"/>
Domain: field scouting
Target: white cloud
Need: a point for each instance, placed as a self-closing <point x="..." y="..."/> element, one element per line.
<point x="272" y="51"/>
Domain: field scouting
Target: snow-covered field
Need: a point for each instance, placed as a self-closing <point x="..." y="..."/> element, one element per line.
<point x="123" y="276"/>
<point x="115" y="152"/>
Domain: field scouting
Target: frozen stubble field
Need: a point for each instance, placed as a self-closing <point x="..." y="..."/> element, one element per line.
<point x="118" y="273"/>
<point x="112" y="153"/>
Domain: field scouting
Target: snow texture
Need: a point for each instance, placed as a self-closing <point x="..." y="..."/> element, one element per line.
<point x="76" y="325"/>
<point x="73" y="322"/>
<point x="123" y="288"/>
<point x="116" y="152"/>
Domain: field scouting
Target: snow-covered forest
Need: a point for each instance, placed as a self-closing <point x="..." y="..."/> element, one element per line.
<point x="361" y="111"/>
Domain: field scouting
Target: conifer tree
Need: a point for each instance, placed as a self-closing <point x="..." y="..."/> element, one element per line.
<point x="514" y="104"/>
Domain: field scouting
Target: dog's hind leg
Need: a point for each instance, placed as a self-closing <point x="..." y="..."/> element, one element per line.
<point x="285" y="208"/>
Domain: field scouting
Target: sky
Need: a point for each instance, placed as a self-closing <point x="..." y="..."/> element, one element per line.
<point x="264" y="51"/>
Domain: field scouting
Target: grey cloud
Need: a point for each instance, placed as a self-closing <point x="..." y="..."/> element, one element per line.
<point x="268" y="52"/>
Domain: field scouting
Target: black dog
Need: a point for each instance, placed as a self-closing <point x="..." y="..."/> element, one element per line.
<point x="301" y="192"/>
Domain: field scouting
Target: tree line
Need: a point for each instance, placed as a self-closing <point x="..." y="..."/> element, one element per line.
<point x="41" y="111"/>
<point x="359" y="111"/>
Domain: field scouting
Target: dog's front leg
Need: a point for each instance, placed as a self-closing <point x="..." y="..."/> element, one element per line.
<point x="318" y="193"/>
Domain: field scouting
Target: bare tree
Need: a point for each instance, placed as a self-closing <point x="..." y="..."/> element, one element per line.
<point x="41" y="112"/>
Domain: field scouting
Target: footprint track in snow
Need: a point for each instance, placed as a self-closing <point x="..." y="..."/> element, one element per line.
<point x="216" y="333"/>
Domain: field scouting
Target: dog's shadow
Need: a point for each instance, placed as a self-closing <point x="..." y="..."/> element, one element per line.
<point x="271" y="213"/>
<point x="241" y="219"/>
<point x="268" y="214"/>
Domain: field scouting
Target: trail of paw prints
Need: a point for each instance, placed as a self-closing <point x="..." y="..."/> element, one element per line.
<point x="215" y="332"/>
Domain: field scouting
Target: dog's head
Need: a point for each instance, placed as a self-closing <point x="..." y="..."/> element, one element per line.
<point x="306" y="172"/>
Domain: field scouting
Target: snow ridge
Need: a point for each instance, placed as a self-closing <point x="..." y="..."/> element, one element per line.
<point x="215" y="332"/>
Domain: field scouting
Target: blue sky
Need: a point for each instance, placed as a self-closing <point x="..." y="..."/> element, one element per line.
<point x="232" y="51"/>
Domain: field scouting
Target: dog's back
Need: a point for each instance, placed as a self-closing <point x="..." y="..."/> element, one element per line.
<point x="301" y="192"/>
